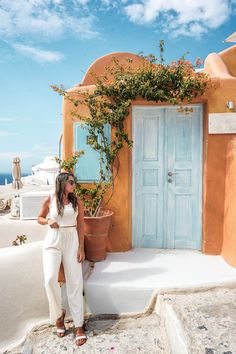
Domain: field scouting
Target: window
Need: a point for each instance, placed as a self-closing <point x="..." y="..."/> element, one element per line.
<point x="88" y="166"/>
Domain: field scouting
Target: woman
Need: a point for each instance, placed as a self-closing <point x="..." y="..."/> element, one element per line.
<point x="64" y="242"/>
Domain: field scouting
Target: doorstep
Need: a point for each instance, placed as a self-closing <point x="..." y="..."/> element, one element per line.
<point x="128" y="282"/>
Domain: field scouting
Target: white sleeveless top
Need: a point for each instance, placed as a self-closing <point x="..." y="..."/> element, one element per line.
<point x="69" y="217"/>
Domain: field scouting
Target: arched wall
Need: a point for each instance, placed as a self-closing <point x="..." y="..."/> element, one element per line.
<point x="214" y="164"/>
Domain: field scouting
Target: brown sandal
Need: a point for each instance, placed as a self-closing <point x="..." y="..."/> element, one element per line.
<point x="80" y="336"/>
<point x="61" y="329"/>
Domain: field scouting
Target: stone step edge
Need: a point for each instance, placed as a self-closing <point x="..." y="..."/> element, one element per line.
<point x="175" y="333"/>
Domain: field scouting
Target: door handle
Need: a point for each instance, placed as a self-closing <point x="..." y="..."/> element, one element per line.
<point x="170" y="174"/>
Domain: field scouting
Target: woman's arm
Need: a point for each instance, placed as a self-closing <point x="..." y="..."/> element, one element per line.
<point x="42" y="217"/>
<point x="80" y="229"/>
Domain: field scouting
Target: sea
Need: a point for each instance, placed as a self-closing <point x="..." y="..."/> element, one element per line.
<point x="8" y="177"/>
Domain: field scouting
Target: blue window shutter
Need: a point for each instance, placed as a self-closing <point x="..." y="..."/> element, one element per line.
<point x="88" y="166"/>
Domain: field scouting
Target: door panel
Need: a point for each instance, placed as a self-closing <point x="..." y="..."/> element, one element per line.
<point x="184" y="157"/>
<point x="167" y="177"/>
<point x="148" y="178"/>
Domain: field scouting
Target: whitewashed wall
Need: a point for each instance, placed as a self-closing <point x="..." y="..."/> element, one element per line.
<point x="23" y="302"/>
<point x="9" y="229"/>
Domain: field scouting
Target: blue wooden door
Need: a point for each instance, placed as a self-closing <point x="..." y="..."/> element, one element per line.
<point x="167" y="177"/>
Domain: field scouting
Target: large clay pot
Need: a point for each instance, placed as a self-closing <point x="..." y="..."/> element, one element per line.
<point x="96" y="230"/>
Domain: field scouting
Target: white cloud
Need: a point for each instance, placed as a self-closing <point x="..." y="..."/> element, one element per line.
<point x="53" y="19"/>
<point x="82" y="27"/>
<point x="189" y="18"/>
<point x="37" y="54"/>
<point x="45" y="18"/>
<point x="193" y="30"/>
<point x="136" y="13"/>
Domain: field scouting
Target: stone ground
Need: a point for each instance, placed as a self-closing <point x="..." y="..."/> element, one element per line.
<point x="208" y="319"/>
<point x="140" y="335"/>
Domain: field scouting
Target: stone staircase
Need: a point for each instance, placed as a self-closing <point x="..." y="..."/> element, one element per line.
<point x="198" y="322"/>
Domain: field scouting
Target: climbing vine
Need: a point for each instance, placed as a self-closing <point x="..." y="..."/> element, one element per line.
<point x="109" y="104"/>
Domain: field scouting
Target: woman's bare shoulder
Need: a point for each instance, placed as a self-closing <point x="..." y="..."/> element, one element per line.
<point x="45" y="207"/>
<point x="47" y="201"/>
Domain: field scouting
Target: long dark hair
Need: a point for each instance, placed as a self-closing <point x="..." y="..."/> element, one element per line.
<point x="61" y="180"/>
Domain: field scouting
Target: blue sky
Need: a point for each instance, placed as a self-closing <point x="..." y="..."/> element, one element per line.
<point x="44" y="42"/>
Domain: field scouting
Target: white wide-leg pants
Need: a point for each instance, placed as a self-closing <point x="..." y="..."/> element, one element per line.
<point x="62" y="245"/>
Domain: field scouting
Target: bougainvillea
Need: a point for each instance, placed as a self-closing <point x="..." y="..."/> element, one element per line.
<point x="176" y="83"/>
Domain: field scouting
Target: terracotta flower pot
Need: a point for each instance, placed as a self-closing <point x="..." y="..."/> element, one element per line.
<point x="96" y="230"/>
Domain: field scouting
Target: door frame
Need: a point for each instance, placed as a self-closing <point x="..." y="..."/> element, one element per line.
<point x="153" y="107"/>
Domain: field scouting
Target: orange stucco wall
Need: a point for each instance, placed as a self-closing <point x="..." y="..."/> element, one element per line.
<point x="228" y="56"/>
<point x="220" y="234"/>
<point x="229" y="241"/>
<point x="217" y="224"/>
<point x="215" y="172"/>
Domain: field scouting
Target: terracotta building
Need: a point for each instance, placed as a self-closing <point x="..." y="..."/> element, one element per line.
<point x="176" y="187"/>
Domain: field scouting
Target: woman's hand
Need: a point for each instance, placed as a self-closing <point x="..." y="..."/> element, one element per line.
<point x="53" y="224"/>
<point x="80" y="255"/>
